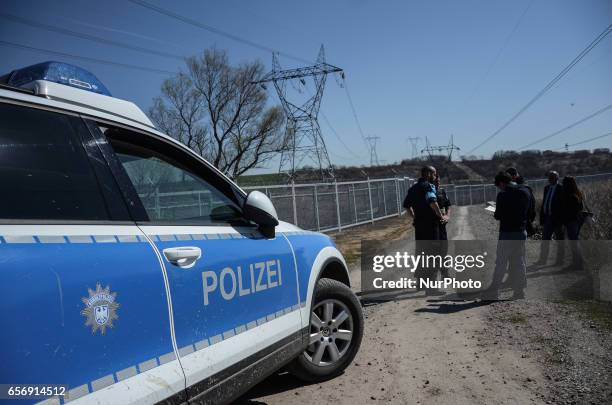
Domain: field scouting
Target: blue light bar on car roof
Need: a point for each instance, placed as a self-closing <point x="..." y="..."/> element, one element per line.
<point x="58" y="72"/>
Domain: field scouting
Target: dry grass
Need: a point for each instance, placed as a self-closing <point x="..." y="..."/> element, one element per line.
<point x="349" y="241"/>
<point x="599" y="200"/>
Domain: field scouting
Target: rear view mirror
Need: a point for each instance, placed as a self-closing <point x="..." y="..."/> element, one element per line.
<point x="259" y="209"/>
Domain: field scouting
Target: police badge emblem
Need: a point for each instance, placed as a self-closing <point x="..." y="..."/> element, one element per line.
<point x="100" y="309"/>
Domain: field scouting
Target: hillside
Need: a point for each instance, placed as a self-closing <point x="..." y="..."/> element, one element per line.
<point x="449" y="171"/>
<point x="531" y="164"/>
<point x="535" y="164"/>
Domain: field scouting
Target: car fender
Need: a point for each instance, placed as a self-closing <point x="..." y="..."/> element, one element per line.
<point x="326" y="256"/>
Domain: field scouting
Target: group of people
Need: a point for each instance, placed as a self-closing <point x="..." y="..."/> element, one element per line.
<point x="562" y="214"/>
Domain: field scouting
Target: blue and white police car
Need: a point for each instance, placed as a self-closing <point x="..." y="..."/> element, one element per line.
<point x="132" y="271"/>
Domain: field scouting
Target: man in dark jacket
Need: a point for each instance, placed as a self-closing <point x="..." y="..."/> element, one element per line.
<point x="531" y="212"/>
<point x="551" y="216"/>
<point x="422" y="205"/>
<point x="512" y="212"/>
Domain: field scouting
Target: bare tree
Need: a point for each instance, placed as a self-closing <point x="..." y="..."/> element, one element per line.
<point x="215" y="109"/>
<point x="180" y="113"/>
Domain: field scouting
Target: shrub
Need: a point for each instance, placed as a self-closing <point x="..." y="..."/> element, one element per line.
<point x="598" y="200"/>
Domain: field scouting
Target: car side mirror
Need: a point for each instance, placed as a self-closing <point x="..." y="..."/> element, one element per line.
<point x="259" y="209"/>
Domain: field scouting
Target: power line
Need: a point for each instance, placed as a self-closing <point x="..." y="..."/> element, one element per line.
<point x="88" y="37"/>
<point x="499" y="52"/>
<point x="580" y="121"/>
<point x="586" y="141"/>
<point x="349" y="150"/>
<point x="343" y="157"/>
<point x="350" y="99"/>
<point x="550" y="84"/>
<point x="85" y="58"/>
<point x="214" y="30"/>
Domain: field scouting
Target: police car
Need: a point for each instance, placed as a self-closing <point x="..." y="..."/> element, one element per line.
<point x="133" y="271"/>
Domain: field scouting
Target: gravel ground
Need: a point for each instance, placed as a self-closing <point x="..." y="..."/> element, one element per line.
<point x="570" y="340"/>
<point x="572" y="348"/>
<point x="425" y="351"/>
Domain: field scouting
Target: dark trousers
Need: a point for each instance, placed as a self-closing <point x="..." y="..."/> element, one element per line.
<point x="427" y="236"/>
<point x="426" y="230"/>
<point x="443" y="249"/>
<point x="551" y="228"/>
<point x="573" y="234"/>
<point x="510" y="258"/>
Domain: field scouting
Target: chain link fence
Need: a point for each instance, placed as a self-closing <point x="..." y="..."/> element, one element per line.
<point x="326" y="207"/>
<point x="480" y="193"/>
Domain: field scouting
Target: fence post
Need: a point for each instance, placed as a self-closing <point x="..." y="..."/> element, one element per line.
<point x="338" y="207"/>
<point x="484" y="193"/>
<point x="471" y="201"/>
<point x="370" y="197"/>
<point x="294" y="203"/>
<point x="397" y="193"/>
<point x="157" y="207"/>
<point x="455" y="194"/>
<point x="200" y="202"/>
<point x="384" y="197"/>
<point x="316" y="207"/>
<point x="354" y="203"/>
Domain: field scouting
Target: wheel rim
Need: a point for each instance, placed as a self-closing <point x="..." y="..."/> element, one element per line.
<point x="331" y="332"/>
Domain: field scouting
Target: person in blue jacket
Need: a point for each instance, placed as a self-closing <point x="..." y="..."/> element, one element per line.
<point x="421" y="202"/>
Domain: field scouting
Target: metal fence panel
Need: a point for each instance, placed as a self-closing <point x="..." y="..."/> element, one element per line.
<point x="335" y="206"/>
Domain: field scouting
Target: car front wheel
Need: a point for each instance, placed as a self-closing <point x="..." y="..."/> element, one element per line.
<point x="336" y="330"/>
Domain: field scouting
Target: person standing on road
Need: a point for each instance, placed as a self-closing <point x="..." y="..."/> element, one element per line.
<point x="444" y="204"/>
<point x="572" y="216"/>
<point x="550" y="216"/>
<point x="422" y="205"/>
<point x="512" y="212"/>
<point x="531" y="214"/>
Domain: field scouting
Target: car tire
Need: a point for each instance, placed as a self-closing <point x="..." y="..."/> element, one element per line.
<point x="335" y="312"/>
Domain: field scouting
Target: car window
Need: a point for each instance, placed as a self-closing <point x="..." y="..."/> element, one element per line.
<point x="170" y="192"/>
<point x="44" y="170"/>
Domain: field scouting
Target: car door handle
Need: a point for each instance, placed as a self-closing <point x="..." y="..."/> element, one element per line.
<point x="184" y="256"/>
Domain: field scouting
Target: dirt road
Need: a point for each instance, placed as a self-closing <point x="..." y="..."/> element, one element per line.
<point x="419" y="351"/>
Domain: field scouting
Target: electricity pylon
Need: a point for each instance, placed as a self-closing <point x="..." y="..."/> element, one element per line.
<point x="371" y="140"/>
<point x="304" y="141"/>
<point x="414" y="142"/>
<point x="444" y="148"/>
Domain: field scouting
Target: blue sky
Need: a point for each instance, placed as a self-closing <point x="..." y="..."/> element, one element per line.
<point x="426" y="69"/>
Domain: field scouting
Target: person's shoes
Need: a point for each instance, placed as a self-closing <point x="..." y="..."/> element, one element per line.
<point x="518" y="295"/>
<point x="489" y="296"/>
<point x="434" y="292"/>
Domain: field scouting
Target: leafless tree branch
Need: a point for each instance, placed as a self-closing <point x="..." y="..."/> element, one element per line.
<point x="216" y="110"/>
